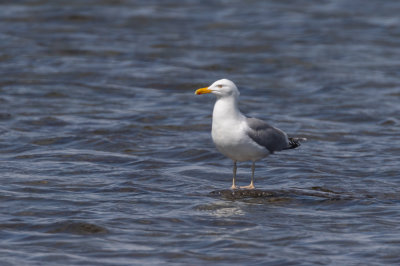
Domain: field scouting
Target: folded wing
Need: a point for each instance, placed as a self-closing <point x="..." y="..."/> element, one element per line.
<point x="272" y="138"/>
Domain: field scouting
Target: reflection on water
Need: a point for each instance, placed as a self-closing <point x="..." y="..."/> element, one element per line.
<point x="106" y="155"/>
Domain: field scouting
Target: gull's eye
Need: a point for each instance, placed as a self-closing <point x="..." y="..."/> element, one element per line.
<point x="219" y="86"/>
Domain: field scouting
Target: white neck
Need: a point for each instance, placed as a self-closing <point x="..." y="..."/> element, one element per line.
<point x="226" y="108"/>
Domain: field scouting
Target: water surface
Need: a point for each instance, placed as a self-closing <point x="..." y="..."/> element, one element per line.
<point x="106" y="153"/>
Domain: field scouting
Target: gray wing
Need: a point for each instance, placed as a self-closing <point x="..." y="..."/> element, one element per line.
<point x="266" y="135"/>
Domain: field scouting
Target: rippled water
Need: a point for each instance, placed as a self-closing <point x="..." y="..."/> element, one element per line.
<point x="106" y="154"/>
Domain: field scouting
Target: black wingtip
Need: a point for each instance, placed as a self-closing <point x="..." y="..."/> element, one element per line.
<point x="295" y="142"/>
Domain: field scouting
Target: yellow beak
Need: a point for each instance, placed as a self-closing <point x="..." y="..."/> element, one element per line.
<point x="203" y="91"/>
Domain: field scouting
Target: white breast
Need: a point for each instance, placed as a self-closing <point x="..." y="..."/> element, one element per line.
<point x="230" y="138"/>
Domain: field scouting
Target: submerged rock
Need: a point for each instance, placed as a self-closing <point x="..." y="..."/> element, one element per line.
<point x="312" y="193"/>
<point x="80" y="228"/>
<point x="244" y="193"/>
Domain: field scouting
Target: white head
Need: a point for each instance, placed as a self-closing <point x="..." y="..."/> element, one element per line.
<point x="221" y="88"/>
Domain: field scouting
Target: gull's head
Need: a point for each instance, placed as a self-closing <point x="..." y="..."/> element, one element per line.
<point x="221" y="88"/>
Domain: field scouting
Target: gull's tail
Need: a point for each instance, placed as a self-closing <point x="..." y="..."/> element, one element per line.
<point x="295" y="142"/>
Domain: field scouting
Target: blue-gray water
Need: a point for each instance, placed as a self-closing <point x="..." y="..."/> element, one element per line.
<point x="106" y="156"/>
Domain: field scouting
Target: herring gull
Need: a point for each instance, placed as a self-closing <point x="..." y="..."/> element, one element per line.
<point x="242" y="138"/>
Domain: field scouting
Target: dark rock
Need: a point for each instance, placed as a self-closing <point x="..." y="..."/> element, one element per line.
<point x="271" y="195"/>
<point x="79" y="228"/>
